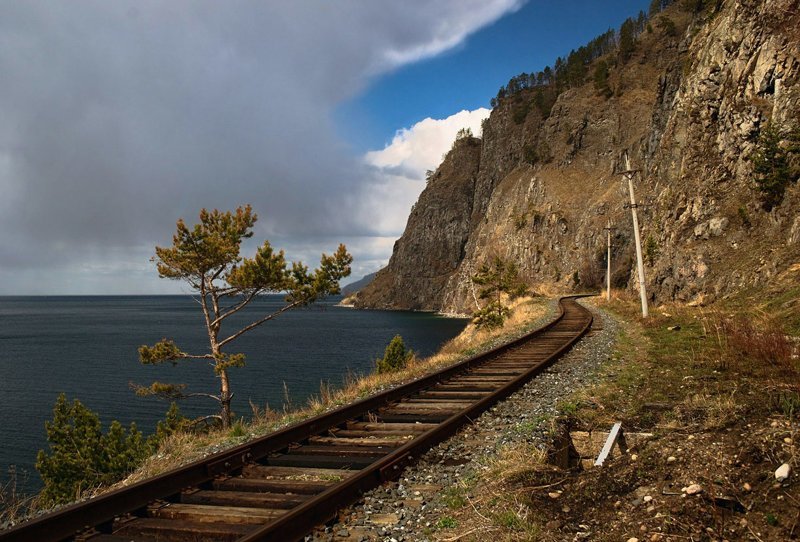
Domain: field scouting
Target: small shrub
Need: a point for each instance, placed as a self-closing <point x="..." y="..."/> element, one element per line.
<point x="667" y="26"/>
<point x="81" y="456"/>
<point x="520" y="221"/>
<point x="765" y="342"/>
<point x="446" y="523"/>
<point x="454" y="498"/>
<point x="492" y="316"/>
<point x="773" y="166"/>
<point x="544" y="153"/>
<point x="520" y="112"/>
<point x="510" y="520"/>
<point x="529" y="154"/>
<point x="237" y="430"/>
<point x="787" y="402"/>
<point x="651" y="250"/>
<point x="464" y="133"/>
<point x="621" y="267"/>
<point x="591" y="273"/>
<point x="567" y="408"/>
<point x="744" y="216"/>
<point x="395" y="357"/>
<point x="172" y="423"/>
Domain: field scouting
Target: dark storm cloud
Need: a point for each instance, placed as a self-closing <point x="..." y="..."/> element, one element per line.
<point x="119" y="117"/>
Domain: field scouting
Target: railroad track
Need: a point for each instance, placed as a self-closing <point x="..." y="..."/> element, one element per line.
<point x="280" y="486"/>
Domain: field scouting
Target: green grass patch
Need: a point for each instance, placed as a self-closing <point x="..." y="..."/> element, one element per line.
<point x="453" y="498"/>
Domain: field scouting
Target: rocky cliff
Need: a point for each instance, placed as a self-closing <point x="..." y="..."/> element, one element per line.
<point x="687" y="106"/>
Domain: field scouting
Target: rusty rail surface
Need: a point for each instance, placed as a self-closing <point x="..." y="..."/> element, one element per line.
<point x="281" y="486"/>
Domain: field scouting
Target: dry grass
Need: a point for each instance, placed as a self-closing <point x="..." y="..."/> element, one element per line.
<point x="710" y="410"/>
<point x="176" y="450"/>
<point x="14" y="506"/>
<point x="500" y="508"/>
<point x="756" y="343"/>
<point x="517" y="463"/>
<point x="180" y="449"/>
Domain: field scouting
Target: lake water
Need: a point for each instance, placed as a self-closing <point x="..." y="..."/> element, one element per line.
<point x="86" y="347"/>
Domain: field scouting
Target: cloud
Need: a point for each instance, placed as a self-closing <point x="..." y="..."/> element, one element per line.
<point x="120" y="117"/>
<point x="399" y="168"/>
<point x="415" y="150"/>
<point x="449" y="32"/>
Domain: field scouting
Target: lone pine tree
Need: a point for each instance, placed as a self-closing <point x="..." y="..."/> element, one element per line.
<point x="206" y="257"/>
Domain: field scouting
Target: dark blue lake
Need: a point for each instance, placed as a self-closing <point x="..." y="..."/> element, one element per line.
<point x="86" y="347"/>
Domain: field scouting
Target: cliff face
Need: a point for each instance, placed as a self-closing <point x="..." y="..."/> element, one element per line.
<point x="432" y="246"/>
<point x="687" y="108"/>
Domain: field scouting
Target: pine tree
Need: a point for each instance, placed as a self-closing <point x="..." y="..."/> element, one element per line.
<point x="207" y="258"/>
<point x="497" y="277"/>
<point x="81" y="457"/>
<point x="772" y="163"/>
<point x="655" y="8"/>
<point x="627" y="39"/>
<point x="395" y="357"/>
<point x="601" y="79"/>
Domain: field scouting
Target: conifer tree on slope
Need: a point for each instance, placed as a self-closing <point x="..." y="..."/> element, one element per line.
<point x="207" y="258"/>
<point x="497" y="277"/>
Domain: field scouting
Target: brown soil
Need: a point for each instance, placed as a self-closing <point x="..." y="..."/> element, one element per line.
<point x="720" y="395"/>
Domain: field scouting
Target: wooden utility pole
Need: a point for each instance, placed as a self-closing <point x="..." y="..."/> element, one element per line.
<point x="608" y="261"/>
<point x="629" y="173"/>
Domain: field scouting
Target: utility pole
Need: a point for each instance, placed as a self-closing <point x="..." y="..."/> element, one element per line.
<point x="608" y="261"/>
<point x="629" y="173"/>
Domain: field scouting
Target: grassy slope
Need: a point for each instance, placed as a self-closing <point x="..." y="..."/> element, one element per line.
<point x="720" y="394"/>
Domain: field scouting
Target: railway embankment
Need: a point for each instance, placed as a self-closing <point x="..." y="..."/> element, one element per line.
<point x="429" y="502"/>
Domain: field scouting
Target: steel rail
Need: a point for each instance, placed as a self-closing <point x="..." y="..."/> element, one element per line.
<point x="99" y="513"/>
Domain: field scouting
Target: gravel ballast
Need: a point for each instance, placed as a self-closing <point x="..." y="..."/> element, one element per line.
<point x="412" y="508"/>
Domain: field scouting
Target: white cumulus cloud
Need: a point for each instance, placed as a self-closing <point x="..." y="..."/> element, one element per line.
<point x="400" y="166"/>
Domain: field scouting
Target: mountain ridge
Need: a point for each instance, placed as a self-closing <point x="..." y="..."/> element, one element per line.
<point x="688" y="106"/>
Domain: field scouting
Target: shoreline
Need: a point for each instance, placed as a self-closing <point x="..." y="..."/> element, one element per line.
<point x="456" y="315"/>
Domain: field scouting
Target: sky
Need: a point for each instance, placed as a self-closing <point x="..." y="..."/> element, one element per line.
<point x="118" y="118"/>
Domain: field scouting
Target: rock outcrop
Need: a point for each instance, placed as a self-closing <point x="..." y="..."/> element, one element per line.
<point x="688" y="110"/>
<point x="432" y="247"/>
